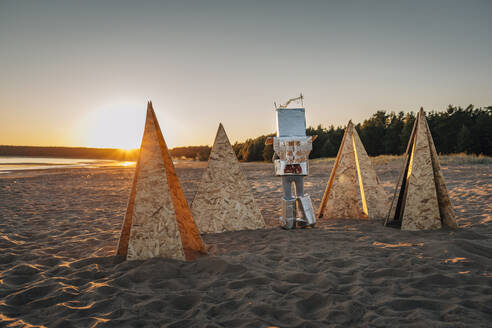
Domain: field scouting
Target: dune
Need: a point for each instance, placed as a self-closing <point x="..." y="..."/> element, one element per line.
<point x="59" y="229"/>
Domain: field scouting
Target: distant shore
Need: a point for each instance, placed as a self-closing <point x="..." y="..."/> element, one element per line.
<point x="191" y="152"/>
<point x="198" y="153"/>
<point x="70" y="152"/>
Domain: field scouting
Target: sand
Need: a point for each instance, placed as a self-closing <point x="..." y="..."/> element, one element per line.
<point x="59" y="229"/>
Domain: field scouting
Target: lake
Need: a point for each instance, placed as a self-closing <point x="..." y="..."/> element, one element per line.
<point x="8" y="163"/>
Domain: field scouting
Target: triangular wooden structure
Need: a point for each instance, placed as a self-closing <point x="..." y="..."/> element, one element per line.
<point x="224" y="201"/>
<point x="423" y="202"/>
<point x="158" y="221"/>
<point x="352" y="165"/>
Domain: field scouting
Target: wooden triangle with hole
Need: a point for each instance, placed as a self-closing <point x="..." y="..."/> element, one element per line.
<point x="421" y="200"/>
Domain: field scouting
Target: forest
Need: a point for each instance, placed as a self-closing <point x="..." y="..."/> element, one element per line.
<point x="455" y="130"/>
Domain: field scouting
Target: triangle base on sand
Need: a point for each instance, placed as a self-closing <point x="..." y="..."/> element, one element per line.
<point x="421" y="201"/>
<point x="158" y="221"/>
<point x="353" y="166"/>
<point x="224" y="201"/>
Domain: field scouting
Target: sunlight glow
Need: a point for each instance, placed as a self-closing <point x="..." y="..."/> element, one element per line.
<point x="456" y="260"/>
<point x="127" y="164"/>
<point x="114" y="126"/>
<point x="387" y="245"/>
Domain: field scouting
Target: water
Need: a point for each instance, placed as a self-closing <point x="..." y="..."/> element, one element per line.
<point x="8" y="164"/>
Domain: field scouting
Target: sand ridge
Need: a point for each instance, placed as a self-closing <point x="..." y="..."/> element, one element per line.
<point x="59" y="229"/>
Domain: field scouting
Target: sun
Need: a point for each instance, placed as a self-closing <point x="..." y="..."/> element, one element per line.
<point x="114" y="126"/>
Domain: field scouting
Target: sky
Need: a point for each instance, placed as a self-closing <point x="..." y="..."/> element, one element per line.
<point x="79" y="73"/>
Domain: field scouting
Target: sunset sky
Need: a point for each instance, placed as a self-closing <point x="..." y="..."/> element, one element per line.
<point x="79" y="73"/>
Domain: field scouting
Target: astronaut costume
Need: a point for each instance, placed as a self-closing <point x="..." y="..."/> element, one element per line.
<point x="292" y="148"/>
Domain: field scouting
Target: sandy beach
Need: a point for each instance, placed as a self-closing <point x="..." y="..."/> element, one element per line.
<point x="59" y="229"/>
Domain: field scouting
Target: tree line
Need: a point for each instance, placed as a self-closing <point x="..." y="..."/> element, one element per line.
<point x="200" y="153"/>
<point x="455" y="130"/>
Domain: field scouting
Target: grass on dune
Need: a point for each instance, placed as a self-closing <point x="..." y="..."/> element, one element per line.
<point x="460" y="158"/>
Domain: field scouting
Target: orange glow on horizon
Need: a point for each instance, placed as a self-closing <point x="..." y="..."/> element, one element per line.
<point x="122" y="127"/>
<point x="125" y="164"/>
<point x="114" y="126"/>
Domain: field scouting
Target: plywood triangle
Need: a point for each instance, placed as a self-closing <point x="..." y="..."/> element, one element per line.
<point x="224" y="201"/>
<point x="394" y="214"/>
<point x="446" y="210"/>
<point x="352" y="165"/>
<point x="158" y="221"/>
<point x="421" y="201"/>
<point x="373" y="197"/>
